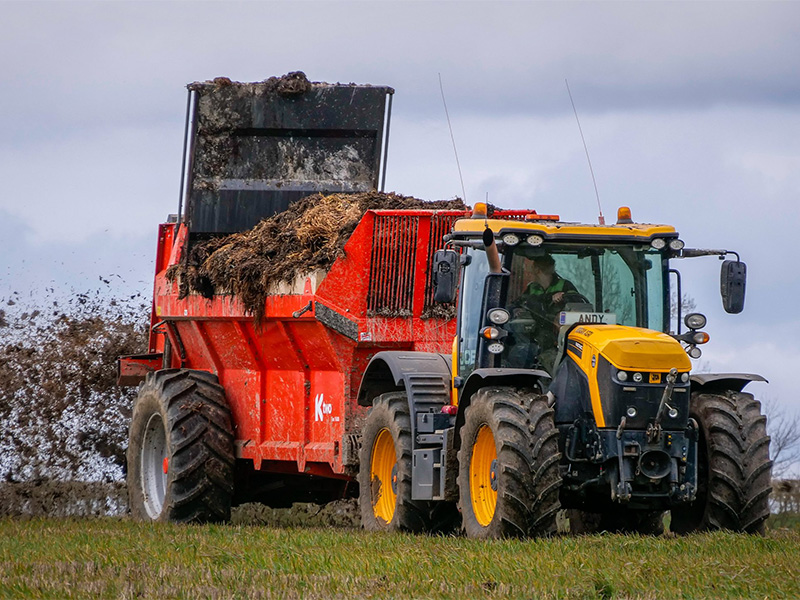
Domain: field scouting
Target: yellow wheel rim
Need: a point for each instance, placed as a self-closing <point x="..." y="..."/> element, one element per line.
<point x="383" y="475"/>
<point x="483" y="476"/>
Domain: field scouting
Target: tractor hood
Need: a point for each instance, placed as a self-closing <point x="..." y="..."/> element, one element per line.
<point x="621" y="367"/>
<point x="631" y="348"/>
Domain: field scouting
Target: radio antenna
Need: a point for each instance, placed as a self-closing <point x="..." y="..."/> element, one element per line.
<point x="453" y="139"/>
<point x="600" y="218"/>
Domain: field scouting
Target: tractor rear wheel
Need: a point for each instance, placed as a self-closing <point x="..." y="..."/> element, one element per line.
<point x="508" y="465"/>
<point x="384" y="475"/>
<point x="734" y="470"/>
<point x="180" y="449"/>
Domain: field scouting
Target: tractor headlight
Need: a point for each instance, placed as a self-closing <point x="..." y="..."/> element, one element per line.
<point x="631" y="412"/>
<point x="637" y="377"/>
<point x="694" y="352"/>
<point x="510" y="239"/>
<point x="673" y="413"/>
<point x="695" y="320"/>
<point x="622" y="376"/>
<point x="499" y="316"/>
<point x="700" y="337"/>
<point x="684" y="377"/>
<point x="535" y="240"/>
<point x="658" y="243"/>
<point x="676" y="245"/>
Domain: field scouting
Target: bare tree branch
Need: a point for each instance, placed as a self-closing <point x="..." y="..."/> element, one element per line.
<point x="784" y="430"/>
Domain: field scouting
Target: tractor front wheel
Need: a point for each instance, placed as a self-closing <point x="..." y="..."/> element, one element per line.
<point x="180" y="449"/>
<point x="734" y="469"/>
<point x="508" y="465"/>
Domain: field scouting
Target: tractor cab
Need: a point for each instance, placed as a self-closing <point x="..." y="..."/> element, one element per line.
<point x="550" y="277"/>
<point x="544" y="290"/>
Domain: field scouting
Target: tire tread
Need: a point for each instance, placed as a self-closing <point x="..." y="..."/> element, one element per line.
<point x="736" y="493"/>
<point x="200" y="446"/>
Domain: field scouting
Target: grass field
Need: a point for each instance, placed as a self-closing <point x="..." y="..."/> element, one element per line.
<point x="118" y="558"/>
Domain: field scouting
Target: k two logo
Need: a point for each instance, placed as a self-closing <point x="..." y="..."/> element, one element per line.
<point x="321" y="408"/>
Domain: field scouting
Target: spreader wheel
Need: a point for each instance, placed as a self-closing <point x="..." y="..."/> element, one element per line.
<point x="734" y="469"/>
<point x="180" y="449"/>
<point x="384" y="475"/>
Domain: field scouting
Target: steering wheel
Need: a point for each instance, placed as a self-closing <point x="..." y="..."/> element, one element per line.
<point x="574" y="298"/>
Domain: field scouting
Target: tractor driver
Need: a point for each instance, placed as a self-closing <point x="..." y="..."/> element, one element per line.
<point x="544" y="297"/>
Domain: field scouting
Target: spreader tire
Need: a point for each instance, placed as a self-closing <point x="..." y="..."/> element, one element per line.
<point x="180" y="449"/>
<point x="734" y="469"/>
<point x="508" y="465"/>
<point x="384" y="475"/>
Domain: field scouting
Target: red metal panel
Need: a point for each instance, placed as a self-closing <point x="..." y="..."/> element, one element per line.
<point x="205" y="346"/>
<point x="257" y="394"/>
<point x="164" y="246"/>
<point x="132" y="370"/>
<point x="285" y="402"/>
<point x="323" y="418"/>
<point x="238" y="372"/>
<point x="420" y="263"/>
<point x="193" y="343"/>
<point x="166" y="236"/>
<point x="345" y="286"/>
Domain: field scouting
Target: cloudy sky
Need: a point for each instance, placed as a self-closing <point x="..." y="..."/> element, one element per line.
<point x="691" y="112"/>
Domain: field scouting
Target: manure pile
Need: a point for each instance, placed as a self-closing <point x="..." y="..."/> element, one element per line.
<point x="309" y="235"/>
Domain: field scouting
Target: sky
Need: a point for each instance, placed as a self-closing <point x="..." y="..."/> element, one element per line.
<point x="691" y="113"/>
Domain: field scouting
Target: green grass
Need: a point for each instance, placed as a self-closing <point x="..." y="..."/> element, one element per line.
<point x="112" y="558"/>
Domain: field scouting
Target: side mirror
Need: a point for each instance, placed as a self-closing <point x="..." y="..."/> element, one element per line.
<point x="445" y="275"/>
<point x="732" y="285"/>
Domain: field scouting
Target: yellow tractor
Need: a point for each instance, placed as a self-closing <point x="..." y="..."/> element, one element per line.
<point x="571" y="387"/>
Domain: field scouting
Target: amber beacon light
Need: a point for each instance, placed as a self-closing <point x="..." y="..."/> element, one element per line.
<point x="624" y="215"/>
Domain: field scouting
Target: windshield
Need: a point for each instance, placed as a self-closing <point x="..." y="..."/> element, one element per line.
<point x="623" y="282"/>
<point x="563" y="284"/>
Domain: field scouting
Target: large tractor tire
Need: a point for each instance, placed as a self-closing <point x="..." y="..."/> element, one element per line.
<point x="508" y="465"/>
<point x="384" y="475"/>
<point x="546" y="481"/>
<point x="734" y="469"/>
<point x="180" y="449"/>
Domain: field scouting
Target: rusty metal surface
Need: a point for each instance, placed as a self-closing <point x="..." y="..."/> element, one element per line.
<point x="256" y="147"/>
